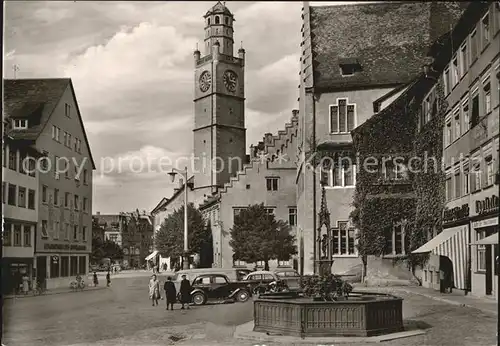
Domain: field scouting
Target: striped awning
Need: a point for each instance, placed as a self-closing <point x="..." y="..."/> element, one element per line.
<point x="489" y="240"/>
<point x="437" y="240"/>
<point x="451" y="243"/>
<point x="151" y="255"/>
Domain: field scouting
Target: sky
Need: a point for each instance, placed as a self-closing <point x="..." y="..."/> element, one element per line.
<point x="131" y="64"/>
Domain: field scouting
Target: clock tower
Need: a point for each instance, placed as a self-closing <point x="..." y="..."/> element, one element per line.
<point x="219" y="104"/>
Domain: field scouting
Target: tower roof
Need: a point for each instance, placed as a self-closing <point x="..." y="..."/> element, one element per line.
<point x="218" y="8"/>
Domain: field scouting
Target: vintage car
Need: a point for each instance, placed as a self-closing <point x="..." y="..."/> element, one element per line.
<point x="218" y="287"/>
<point x="257" y="281"/>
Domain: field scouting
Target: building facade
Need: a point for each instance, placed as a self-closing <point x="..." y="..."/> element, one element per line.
<point x="53" y="123"/>
<point x="19" y="209"/>
<point x="470" y="151"/>
<point x="113" y="225"/>
<point x="269" y="178"/>
<point x="137" y="239"/>
<point x="345" y="68"/>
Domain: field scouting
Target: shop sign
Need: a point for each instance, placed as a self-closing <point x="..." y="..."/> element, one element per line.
<point x="485" y="223"/>
<point x="65" y="247"/>
<point x="55" y="259"/>
<point x="487" y="205"/>
<point x="455" y="214"/>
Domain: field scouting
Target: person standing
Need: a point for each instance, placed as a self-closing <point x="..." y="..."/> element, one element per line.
<point x="96" y="280"/>
<point x="108" y="279"/>
<point x="185" y="292"/>
<point x="154" y="289"/>
<point x="170" y="293"/>
<point x="25" y="284"/>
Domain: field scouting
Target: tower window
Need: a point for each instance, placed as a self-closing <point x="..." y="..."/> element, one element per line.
<point x="208" y="21"/>
<point x="227" y="20"/>
<point x="217" y="20"/>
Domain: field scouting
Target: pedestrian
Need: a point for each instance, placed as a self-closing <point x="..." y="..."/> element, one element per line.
<point x="108" y="279"/>
<point x="25" y="284"/>
<point x="441" y="281"/>
<point x="170" y="293"/>
<point x="96" y="280"/>
<point x="185" y="291"/>
<point x="154" y="289"/>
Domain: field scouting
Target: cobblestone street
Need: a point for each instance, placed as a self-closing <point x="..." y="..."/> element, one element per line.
<point x="122" y="315"/>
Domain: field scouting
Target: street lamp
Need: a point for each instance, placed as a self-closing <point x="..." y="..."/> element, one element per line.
<point x="184" y="175"/>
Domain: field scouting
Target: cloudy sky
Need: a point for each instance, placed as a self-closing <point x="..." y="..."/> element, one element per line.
<point x="132" y="68"/>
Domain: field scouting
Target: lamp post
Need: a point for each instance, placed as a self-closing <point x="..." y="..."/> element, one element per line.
<point x="184" y="175"/>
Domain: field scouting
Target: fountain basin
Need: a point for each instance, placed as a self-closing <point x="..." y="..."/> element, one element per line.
<point x="362" y="314"/>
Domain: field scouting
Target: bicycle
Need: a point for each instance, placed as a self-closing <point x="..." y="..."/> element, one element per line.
<point x="39" y="288"/>
<point x="78" y="284"/>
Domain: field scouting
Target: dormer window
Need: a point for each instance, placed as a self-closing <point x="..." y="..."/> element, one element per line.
<point x="227" y="20"/>
<point x="208" y="21"/>
<point x="349" y="67"/>
<point x="217" y="20"/>
<point x="20" y="123"/>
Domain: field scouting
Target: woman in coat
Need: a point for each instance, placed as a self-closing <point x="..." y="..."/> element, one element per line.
<point x="154" y="290"/>
<point x="170" y="293"/>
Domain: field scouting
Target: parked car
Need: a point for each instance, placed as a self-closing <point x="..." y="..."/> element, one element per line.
<point x="218" y="287"/>
<point x="234" y="274"/>
<point x="258" y="280"/>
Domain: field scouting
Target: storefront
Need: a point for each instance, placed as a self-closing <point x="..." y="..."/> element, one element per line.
<point x="13" y="270"/>
<point x="449" y="249"/>
<point x="484" y="249"/>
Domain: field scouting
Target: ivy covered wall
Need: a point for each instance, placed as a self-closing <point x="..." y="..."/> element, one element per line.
<point x="416" y="197"/>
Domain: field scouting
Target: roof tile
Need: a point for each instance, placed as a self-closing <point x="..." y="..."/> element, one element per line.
<point x="390" y="40"/>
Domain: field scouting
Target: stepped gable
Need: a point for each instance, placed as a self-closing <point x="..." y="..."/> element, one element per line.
<point x="388" y="40"/>
<point x="271" y="145"/>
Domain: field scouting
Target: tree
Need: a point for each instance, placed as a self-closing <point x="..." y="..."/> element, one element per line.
<point x="258" y="236"/>
<point x="105" y="249"/>
<point x="169" y="239"/>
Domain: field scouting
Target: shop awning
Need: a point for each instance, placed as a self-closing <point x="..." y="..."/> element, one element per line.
<point x="437" y="240"/>
<point x="490" y="240"/>
<point x="153" y="254"/>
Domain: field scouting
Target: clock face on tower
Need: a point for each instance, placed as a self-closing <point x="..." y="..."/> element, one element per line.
<point x="230" y="80"/>
<point x="205" y="81"/>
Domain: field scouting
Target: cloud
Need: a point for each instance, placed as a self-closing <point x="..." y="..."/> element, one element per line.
<point x="132" y="69"/>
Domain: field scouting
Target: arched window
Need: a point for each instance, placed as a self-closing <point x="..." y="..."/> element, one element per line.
<point x="227" y="20"/>
<point x="217" y="20"/>
<point x="208" y="21"/>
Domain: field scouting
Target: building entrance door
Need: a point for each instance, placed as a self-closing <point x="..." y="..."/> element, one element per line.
<point x="489" y="271"/>
<point x="41" y="269"/>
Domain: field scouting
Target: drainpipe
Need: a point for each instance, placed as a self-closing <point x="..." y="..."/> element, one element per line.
<point x="314" y="181"/>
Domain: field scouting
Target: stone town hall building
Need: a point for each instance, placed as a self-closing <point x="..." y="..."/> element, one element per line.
<point x="355" y="60"/>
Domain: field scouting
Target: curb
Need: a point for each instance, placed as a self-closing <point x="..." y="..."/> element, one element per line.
<point x="447" y="301"/>
<point x="51" y="293"/>
<point x="245" y="332"/>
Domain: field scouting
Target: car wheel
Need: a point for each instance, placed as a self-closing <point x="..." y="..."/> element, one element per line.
<point x="242" y="296"/>
<point x="199" y="298"/>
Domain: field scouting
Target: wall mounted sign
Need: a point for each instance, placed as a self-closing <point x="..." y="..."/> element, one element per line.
<point x="455" y="214"/>
<point x="487" y="205"/>
<point x="55" y="259"/>
<point x="65" y="247"/>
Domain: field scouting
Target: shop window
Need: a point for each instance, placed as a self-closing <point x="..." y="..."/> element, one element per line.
<point x="82" y="265"/>
<point x="73" y="266"/>
<point x="64" y="266"/>
<point x="481" y="252"/>
<point x="54" y="266"/>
